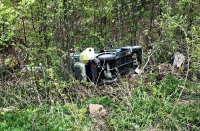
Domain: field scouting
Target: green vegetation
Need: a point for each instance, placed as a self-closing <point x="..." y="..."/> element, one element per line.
<point x="39" y="33"/>
<point x="156" y="107"/>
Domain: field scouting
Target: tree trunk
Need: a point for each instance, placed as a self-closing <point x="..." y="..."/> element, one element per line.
<point x="66" y="27"/>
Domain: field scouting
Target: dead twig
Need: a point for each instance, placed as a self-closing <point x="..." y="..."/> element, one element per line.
<point x="152" y="52"/>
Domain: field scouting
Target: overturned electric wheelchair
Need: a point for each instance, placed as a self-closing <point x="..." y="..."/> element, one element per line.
<point x="105" y="66"/>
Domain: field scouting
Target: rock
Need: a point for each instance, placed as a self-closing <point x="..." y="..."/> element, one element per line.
<point x="179" y="59"/>
<point x="97" y="110"/>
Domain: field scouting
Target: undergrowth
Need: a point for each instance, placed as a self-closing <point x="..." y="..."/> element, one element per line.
<point x="131" y="104"/>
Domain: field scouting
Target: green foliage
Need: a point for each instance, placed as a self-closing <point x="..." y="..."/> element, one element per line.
<point x="153" y="108"/>
<point x="106" y="101"/>
<point x="62" y="118"/>
<point x="169" y="88"/>
<point x="156" y="106"/>
<point x="179" y="32"/>
<point x="39" y="33"/>
<point x="8" y="18"/>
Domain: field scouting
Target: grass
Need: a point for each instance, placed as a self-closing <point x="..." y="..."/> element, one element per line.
<point x="145" y="105"/>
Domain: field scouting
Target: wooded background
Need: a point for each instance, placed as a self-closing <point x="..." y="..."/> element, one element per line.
<point x="41" y="31"/>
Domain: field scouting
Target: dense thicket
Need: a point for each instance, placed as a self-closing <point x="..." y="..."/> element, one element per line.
<point x="41" y="31"/>
<point x="37" y="91"/>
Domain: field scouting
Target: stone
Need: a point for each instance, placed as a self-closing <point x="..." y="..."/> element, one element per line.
<point x="97" y="110"/>
<point x="179" y="59"/>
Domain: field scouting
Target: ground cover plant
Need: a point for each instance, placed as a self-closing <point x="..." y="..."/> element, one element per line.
<point x="157" y="106"/>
